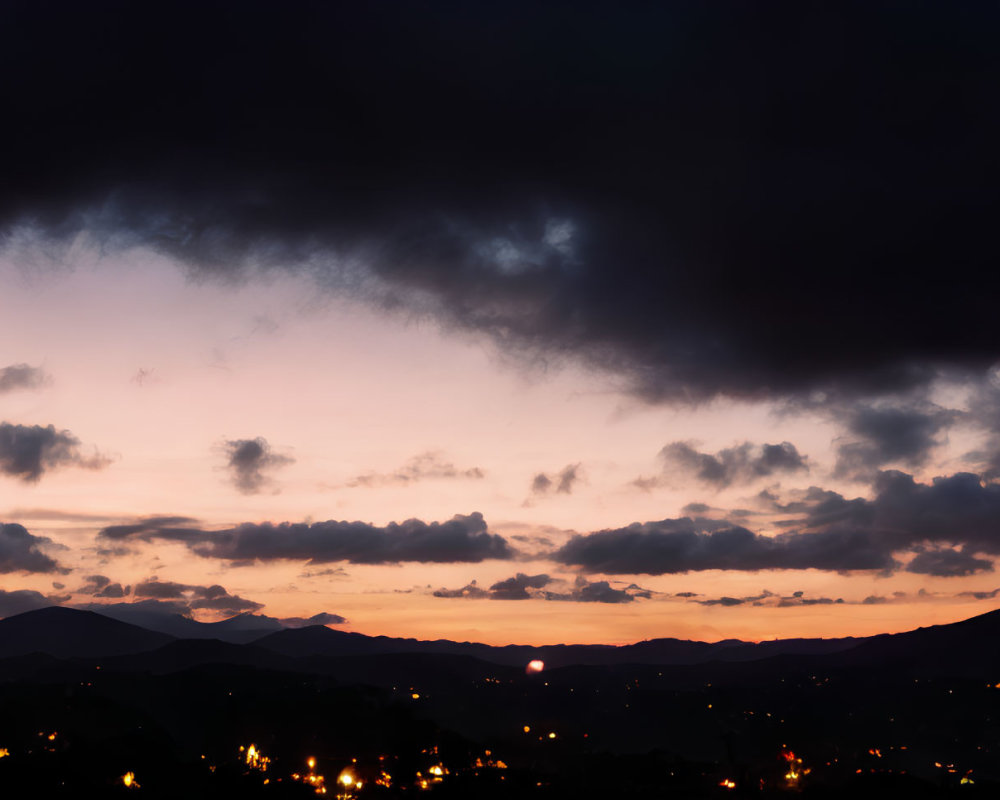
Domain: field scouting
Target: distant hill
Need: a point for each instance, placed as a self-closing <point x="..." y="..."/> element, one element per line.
<point x="317" y="640"/>
<point x="70" y="633"/>
<point x="240" y="629"/>
<point x="188" y="653"/>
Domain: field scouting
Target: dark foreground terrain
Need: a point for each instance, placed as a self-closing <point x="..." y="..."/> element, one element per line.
<point x="91" y="706"/>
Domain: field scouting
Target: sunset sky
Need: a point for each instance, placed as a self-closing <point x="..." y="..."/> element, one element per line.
<point x="502" y="322"/>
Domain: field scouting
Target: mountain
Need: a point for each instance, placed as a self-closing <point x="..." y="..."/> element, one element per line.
<point x="318" y="640"/>
<point x="967" y="647"/>
<point x="71" y="633"/>
<point x="970" y="645"/>
<point x="154" y="616"/>
<point x="189" y="653"/>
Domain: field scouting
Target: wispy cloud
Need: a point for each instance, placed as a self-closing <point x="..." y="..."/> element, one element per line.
<point x="431" y="465"/>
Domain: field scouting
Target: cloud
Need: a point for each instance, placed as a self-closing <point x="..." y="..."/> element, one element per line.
<point x="22" y="376"/>
<point x="722" y="601"/>
<point x="21" y="600"/>
<point x="446" y="178"/>
<point x="799" y="599"/>
<point x="28" y="451"/>
<point x="742" y="464"/>
<point x="765" y="599"/>
<point x="193" y="596"/>
<point x="526" y="587"/>
<point x="249" y="460"/>
<point x="585" y="591"/>
<point x="981" y="595"/>
<point x="516" y="588"/>
<point x="880" y="435"/>
<point x="460" y="539"/>
<point x="471" y="589"/>
<point x="875" y="600"/>
<point x="21" y="551"/>
<point x="426" y="466"/>
<point x="323" y="618"/>
<point x="685" y="545"/>
<point x="950" y="524"/>
<point x="561" y="483"/>
<point x="948" y="562"/>
<point x="102" y="586"/>
<point x="984" y="412"/>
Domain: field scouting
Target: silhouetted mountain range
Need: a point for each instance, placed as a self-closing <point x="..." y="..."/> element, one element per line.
<point x="85" y="697"/>
<point x="262" y="641"/>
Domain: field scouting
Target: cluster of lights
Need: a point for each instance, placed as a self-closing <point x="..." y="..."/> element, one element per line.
<point x="254" y="758"/>
<point x="795" y="770"/>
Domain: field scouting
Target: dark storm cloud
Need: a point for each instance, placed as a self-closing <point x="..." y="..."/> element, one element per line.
<point x="250" y="460"/>
<point x="948" y="563"/>
<point x="889" y="434"/>
<point x="430" y="465"/>
<point x="21" y="600"/>
<point x="20" y="551"/>
<point x="28" y="451"/>
<point x="193" y="596"/>
<point x="742" y="464"/>
<point x="21" y="376"/>
<point x="561" y="483"/>
<point x="526" y="587"/>
<point x="463" y="538"/>
<point x="704" y="198"/>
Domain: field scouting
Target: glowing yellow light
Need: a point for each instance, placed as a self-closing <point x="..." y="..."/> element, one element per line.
<point x="552" y="735"/>
<point x="311" y="762"/>
<point x="527" y="729"/>
<point x="535" y="665"/>
<point x="52" y="737"/>
<point x="728" y="784"/>
<point x="415" y="696"/>
<point x="4" y="752"/>
<point x="255" y="759"/>
<point x="129" y="780"/>
<point x="346" y="778"/>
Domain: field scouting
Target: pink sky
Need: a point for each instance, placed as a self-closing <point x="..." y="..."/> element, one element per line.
<point x="382" y="417"/>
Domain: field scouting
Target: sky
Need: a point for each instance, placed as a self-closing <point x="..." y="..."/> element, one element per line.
<point x="521" y="322"/>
